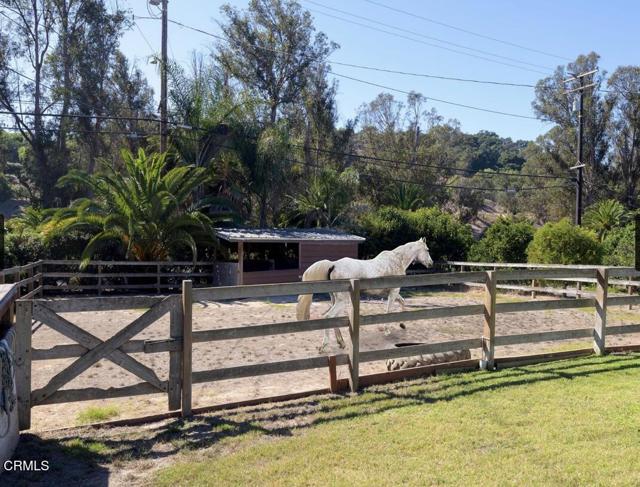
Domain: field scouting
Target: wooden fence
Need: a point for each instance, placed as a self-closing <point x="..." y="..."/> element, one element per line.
<point x="116" y="277"/>
<point x="535" y="287"/>
<point x="88" y="349"/>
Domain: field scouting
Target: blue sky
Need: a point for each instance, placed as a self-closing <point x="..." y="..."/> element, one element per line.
<point x="563" y="28"/>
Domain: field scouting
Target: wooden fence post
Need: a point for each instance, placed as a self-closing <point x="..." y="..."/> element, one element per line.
<point x="533" y="285"/>
<point x="630" y="291"/>
<point x="354" y="332"/>
<point x="175" y="358"/>
<point x="99" y="279"/>
<point x="187" y="306"/>
<point x="599" y="331"/>
<point x="23" y="362"/>
<point x="40" y="271"/>
<point x="29" y="276"/>
<point x="333" y="374"/>
<point x="158" y="278"/>
<point x="489" y="328"/>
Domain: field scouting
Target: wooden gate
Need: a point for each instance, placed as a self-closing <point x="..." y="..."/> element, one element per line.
<point x="89" y="349"/>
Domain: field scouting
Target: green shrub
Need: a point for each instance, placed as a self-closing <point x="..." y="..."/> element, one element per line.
<point x="619" y="246"/>
<point x="389" y="227"/>
<point x="564" y="243"/>
<point x="504" y="241"/>
<point x="22" y="248"/>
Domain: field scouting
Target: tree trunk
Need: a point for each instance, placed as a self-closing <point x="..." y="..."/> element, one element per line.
<point x="274" y="113"/>
<point x="263" y="210"/>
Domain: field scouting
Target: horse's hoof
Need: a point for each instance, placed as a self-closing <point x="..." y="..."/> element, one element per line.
<point x="322" y="349"/>
<point x="341" y="345"/>
<point x="387" y="332"/>
<point x="403" y="326"/>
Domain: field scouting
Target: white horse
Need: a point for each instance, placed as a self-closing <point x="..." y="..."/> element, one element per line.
<point x="387" y="263"/>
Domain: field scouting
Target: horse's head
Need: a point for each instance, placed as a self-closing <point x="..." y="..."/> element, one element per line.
<point x="422" y="254"/>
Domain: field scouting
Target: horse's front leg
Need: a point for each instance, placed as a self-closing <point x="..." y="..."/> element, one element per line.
<point x="393" y="295"/>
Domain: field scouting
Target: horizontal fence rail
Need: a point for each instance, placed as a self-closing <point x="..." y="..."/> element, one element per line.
<point x="87" y="349"/>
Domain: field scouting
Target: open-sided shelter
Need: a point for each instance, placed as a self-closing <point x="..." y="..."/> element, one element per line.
<point x="272" y="255"/>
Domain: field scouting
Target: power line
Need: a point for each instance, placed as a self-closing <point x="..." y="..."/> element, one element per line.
<point x="375" y="84"/>
<point x="473" y="188"/>
<point x="470" y="107"/>
<point x="438" y="185"/>
<point x="434" y="166"/>
<point x="466" y="31"/>
<point x="145" y="38"/>
<point x="377" y="160"/>
<point x="422" y="75"/>
<point x="419" y="41"/>
<point x="73" y="115"/>
<point x="130" y="133"/>
<point x="342" y="154"/>
<point x="416" y="164"/>
<point x="215" y="36"/>
<point x="481" y="51"/>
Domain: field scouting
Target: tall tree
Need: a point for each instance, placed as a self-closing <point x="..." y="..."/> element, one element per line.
<point x="63" y="52"/>
<point x="28" y="26"/>
<point x="553" y="103"/>
<point x="269" y="48"/>
<point x="625" y="130"/>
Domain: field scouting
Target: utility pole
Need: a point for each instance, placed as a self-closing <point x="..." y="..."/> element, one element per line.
<point x="163" y="74"/>
<point x="163" y="80"/>
<point x="580" y="164"/>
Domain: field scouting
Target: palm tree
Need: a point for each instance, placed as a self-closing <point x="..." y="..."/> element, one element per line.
<point x="326" y="199"/>
<point x="149" y="210"/>
<point x="30" y="219"/>
<point x="405" y="196"/>
<point x="604" y="216"/>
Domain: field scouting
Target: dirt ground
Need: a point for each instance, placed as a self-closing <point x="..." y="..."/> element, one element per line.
<point x="214" y="355"/>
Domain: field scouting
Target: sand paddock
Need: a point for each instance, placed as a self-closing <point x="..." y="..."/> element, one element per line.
<point x="213" y="355"/>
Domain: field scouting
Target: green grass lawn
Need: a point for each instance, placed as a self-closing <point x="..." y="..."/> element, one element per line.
<point x="575" y="422"/>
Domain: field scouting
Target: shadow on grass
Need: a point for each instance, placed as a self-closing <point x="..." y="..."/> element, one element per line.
<point x="91" y="452"/>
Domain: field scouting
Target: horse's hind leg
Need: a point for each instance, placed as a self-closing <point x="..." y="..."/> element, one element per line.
<point x="325" y="341"/>
<point x="332" y="312"/>
<point x="339" y="338"/>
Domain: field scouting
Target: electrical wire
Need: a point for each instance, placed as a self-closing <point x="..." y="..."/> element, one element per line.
<point x="73" y="115"/>
<point x="401" y="29"/>
<point x="497" y="112"/>
<point x="422" y="75"/>
<point x="439" y="100"/>
<point x="420" y="41"/>
<point x="466" y="31"/>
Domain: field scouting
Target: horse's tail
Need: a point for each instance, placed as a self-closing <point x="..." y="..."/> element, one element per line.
<point x="318" y="271"/>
